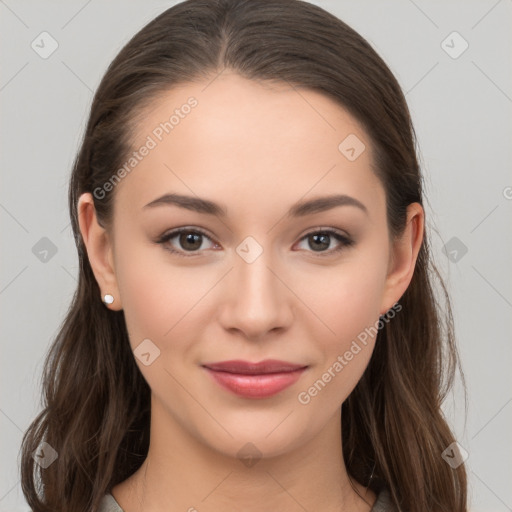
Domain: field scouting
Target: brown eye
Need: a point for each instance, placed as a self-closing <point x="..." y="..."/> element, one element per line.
<point x="187" y="241"/>
<point x="320" y="241"/>
<point x="190" y="240"/>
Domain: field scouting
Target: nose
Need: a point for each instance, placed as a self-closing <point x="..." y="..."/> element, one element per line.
<point x="256" y="299"/>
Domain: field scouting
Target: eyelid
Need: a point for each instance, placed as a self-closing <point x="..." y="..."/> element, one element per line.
<point x="326" y="229"/>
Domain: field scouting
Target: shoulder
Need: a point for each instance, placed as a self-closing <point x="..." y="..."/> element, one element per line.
<point x="109" y="504"/>
<point x="383" y="502"/>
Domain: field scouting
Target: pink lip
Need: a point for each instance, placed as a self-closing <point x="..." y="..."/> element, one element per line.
<point x="255" y="380"/>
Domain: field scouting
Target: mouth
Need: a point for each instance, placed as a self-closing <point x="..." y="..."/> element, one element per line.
<point x="255" y="380"/>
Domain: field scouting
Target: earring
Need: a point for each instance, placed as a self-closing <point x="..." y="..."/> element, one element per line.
<point x="108" y="299"/>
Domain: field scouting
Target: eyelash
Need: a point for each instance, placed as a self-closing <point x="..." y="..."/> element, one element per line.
<point x="345" y="241"/>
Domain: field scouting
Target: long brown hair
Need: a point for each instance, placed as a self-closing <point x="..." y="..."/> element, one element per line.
<point x="96" y="409"/>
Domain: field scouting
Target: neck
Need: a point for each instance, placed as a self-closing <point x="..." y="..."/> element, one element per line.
<point x="183" y="473"/>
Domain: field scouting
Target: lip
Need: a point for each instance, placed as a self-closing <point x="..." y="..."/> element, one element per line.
<point x="255" y="380"/>
<point x="248" y="368"/>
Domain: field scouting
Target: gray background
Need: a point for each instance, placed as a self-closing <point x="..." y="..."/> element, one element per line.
<point x="461" y="108"/>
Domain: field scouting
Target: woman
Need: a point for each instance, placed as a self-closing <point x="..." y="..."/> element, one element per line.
<point x="255" y="325"/>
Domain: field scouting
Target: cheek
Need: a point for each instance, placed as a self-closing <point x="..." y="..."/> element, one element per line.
<point x="155" y="294"/>
<point x="164" y="300"/>
<point x="346" y="298"/>
<point x="161" y="302"/>
<point x="346" y="302"/>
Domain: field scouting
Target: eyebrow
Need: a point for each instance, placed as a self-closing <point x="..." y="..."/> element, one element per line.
<point x="299" y="209"/>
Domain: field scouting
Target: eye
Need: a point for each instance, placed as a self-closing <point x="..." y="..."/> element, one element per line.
<point x="191" y="240"/>
<point x="321" y="240"/>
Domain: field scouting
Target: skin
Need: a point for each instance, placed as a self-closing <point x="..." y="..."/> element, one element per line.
<point x="256" y="149"/>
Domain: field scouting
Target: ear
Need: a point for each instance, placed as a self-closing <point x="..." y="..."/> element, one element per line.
<point x="99" y="250"/>
<point x="404" y="253"/>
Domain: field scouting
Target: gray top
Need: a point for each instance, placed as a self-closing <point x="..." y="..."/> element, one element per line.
<point x="382" y="504"/>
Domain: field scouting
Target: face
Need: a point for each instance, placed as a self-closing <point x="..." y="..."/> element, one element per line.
<point x="239" y="267"/>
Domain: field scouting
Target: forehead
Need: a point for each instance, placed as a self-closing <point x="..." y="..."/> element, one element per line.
<point x="235" y="139"/>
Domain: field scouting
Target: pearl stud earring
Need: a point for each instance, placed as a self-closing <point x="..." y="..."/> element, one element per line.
<point x="108" y="299"/>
